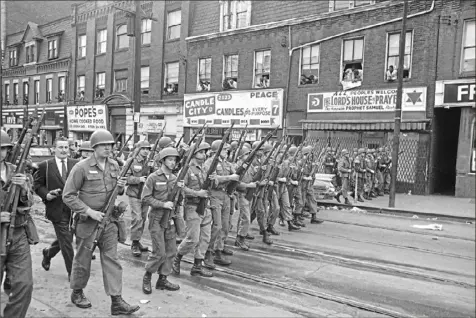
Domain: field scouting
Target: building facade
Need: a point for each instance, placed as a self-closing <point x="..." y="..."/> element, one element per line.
<point x="35" y="76"/>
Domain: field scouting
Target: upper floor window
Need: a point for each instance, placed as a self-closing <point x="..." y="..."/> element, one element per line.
<point x="393" y="44"/>
<point x="122" y="38"/>
<point x="120" y="80"/>
<point x="82" y="46"/>
<point x="15" y="93"/>
<point x="204" y="74"/>
<point x="335" y="5"/>
<point x="144" y="79"/>
<point x="26" y="90"/>
<point x="49" y="90"/>
<point x="352" y="63"/>
<point x="174" y="19"/>
<point x="7" y="94"/>
<point x="146" y="31"/>
<point x="13" y="57"/>
<point x="36" y="93"/>
<point x="81" y="87"/>
<point x="61" y="89"/>
<point x="171" y="78"/>
<point x="468" y="54"/>
<point x="52" y="49"/>
<point x="230" y="72"/>
<point x="101" y="41"/>
<point x="234" y="14"/>
<point x="310" y="65"/>
<point x="262" y="69"/>
<point x="100" y="85"/>
<point x="30" y="53"/>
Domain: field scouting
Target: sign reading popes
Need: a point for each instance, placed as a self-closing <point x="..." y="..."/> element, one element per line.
<point x="373" y="100"/>
<point x="87" y="117"/>
<point x="257" y="108"/>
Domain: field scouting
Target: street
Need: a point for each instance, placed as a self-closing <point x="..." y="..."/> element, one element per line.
<point x="354" y="264"/>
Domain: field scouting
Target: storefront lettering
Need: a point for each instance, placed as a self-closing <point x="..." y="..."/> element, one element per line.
<point x="268" y="94"/>
<point x="200" y="106"/>
<point x="459" y="93"/>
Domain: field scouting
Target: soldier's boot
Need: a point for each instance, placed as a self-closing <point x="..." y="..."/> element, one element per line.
<point x="347" y="201"/>
<point x="367" y="196"/>
<point x="337" y="196"/>
<point x="240" y="242"/>
<point x="252" y="216"/>
<point x="176" y="264"/>
<point x="226" y="251"/>
<point x="7" y="284"/>
<point x="220" y="259"/>
<point x="78" y="298"/>
<point x="146" y="284"/>
<point x="198" y="270"/>
<point x="360" y="199"/>
<point x="380" y="193"/>
<point x="120" y="307"/>
<point x="266" y="238"/>
<point x="163" y="283"/>
<point x="208" y="262"/>
<point x="142" y="248"/>
<point x="136" y="249"/>
<point x="281" y="222"/>
<point x="315" y="220"/>
<point x="292" y="226"/>
<point x="298" y="222"/>
<point x="249" y="237"/>
<point x="272" y="230"/>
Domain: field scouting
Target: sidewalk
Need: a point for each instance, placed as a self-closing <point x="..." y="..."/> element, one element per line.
<point x="437" y="205"/>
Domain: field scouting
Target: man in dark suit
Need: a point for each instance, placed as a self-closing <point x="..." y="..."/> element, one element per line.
<point x="49" y="181"/>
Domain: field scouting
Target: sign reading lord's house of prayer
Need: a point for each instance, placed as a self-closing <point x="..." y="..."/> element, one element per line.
<point x="257" y="108"/>
<point x="368" y="100"/>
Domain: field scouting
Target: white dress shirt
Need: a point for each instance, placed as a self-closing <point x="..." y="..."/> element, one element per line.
<point x="59" y="164"/>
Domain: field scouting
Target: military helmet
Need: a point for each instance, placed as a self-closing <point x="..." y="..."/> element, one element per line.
<point x="234" y="144"/>
<point x="203" y="146"/>
<point x="267" y="147"/>
<point x="143" y="144"/>
<point x="165" y="142"/>
<point x="255" y="144"/>
<point x="380" y="149"/>
<point x="283" y="149"/>
<point x="5" y="140"/>
<point x="329" y="149"/>
<point x="101" y="137"/>
<point x="247" y="145"/>
<point x="306" y="150"/>
<point x="244" y="151"/>
<point x="344" y="152"/>
<point x="86" y="146"/>
<point x="216" y="144"/>
<point x="361" y="150"/>
<point x="168" y="152"/>
<point x="292" y="150"/>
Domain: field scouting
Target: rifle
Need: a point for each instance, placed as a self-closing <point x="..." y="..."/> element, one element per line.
<point x="15" y="151"/>
<point x="179" y="141"/>
<point x="207" y="183"/>
<point x="11" y="201"/>
<point x="275" y="171"/>
<point x="121" y="151"/>
<point x="150" y="157"/>
<point x="196" y="134"/>
<point x="240" y="145"/>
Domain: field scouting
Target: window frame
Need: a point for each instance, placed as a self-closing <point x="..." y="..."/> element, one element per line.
<point x="353" y="61"/>
<point x="461" y="70"/>
<point x="82" y="48"/>
<point x="224" y="75"/>
<point x="101" y="43"/>
<point x="78" y="87"/>
<point x="26" y="93"/>
<point x="16" y="92"/>
<point x="166" y="78"/>
<point x="174" y="26"/>
<point x="147" y="32"/>
<point x="53" y="52"/>
<point x="228" y="8"/>
<point x="6" y="88"/>
<point x="310" y="64"/>
<point x="99" y="85"/>
<point x="36" y="92"/>
<point x="61" y="88"/>
<point x="351" y="5"/>
<point x="145" y="90"/>
<point x="396" y="66"/>
<point x="120" y="79"/>
<point x="255" y="74"/>
<point x="30" y="53"/>
<point x="13" y="57"/>
<point x="199" y="71"/>
<point x="119" y="35"/>
<point x="49" y="90"/>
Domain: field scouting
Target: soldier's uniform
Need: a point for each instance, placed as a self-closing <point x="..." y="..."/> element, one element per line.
<point x="386" y="165"/>
<point x="379" y="173"/>
<point x="344" y="167"/>
<point x="282" y="195"/>
<point x="244" y="203"/>
<point x="308" y="190"/>
<point x="329" y="162"/>
<point x="359" y="169"/>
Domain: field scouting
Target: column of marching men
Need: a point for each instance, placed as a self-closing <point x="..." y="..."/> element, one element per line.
<point x="262" y="181"/>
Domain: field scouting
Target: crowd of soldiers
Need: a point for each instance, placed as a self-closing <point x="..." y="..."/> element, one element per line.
<point x="263" y="181"/>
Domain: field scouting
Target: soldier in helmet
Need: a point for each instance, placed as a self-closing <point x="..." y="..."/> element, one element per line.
<point x="359" y="168"/>
<point x="233" y="148"/>
<point x="85" y="150"/>
<point x="87" y="189"/>
<point x="329" y="161"/>
<point x="72" y="150"/>
<point x="164" y="142"/>
<point x="294" y="189"/>
<point x="379" y="173"/>
<point x="136" y="177"/>
<point x="386" y="167"/>
<point x="162" y="231"/>
<point x="17" y="263"/>
<point x="198" y="224"/>
<point x="345" y="168"/>
<point x="308" y="187"/>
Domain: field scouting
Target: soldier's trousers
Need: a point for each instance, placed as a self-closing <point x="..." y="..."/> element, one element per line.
<point x="273" y="206"/>
<point x="297" y="199"/>
<point x="198" y="229"/>
<point x="386" y="181"/>
<point x="111" y="268"/>
<point x="360" y="184"/>
<point x="18" y="266"/>
<point x="379" y="177"/>
<point x="368" y="182"/>
<point x="261" y="211"/>
<point x="283" y="198"/>
<point x="309" y="198"/>
<point x="220" y="208"/>
<point x="345" y="187"/>
<point x="139" y="217"/>
<point x="164" y="245"/>
<point x="63" y="243"/>
<point x="245" y="215"/>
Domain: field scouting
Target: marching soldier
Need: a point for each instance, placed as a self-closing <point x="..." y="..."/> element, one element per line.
<point x="329" y="161"/>
<point x="360" y="171"/>
<point x="17" y="262"/>
<point x="136" y="178"/>
<point x="162" y="230"/>
<point x="387" y="164"/>
<point x="379" y="172"/>
<point x="345" y="168"/>
<point x="307" y="186"/>
<point x="86" y="192"/>
<point x="85" y="150"/>
<point x="294" y="189"/>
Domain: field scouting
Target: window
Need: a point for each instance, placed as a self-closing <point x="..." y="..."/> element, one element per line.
<point x="81" y="87"/>
<point x="173" y="24"/>
<point x="15" y="93"/>
<point x="230" y="72"/>
<point x="335" y="5"/>
<point x="262" y="69"/>
<point x="100" y="85"/>
<point x="14" y="57"/>
<point x="7" y="94"/>
<point x="30" y="53"/>
<point x="122" y="38"/>
<point x="144" y="79"/>
<point x="52" y="49"/>
<point x="36" y="95"/>
<point x="101" y="41"/>
<point x="469" y="54"/>
<point x="26" y="90"/>
<point x="171" y="78"/>
<point x="393" y="41"/>
<point x="49" y="90"/>
<point x="309" y="65"/>
<point x="352" y="63"/>
<point x="234" y="14"/>
<point x="146" y="31"/>
<point x="120" y="80"/>
<point x="82" y="46"/>
<point x="61" y="89"/>
<point x="204" y="74"/>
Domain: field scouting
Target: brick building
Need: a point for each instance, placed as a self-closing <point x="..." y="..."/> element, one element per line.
<point x="103" y="66"/>
<point x="35" y="74"/>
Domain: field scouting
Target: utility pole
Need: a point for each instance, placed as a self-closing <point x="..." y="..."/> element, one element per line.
<point x="137" y="67"/>
<point x="3" y="38"/>
<point x="398" y="108"/>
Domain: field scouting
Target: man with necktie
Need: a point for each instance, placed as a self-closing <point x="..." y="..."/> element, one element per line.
<point x="49" y="181"/>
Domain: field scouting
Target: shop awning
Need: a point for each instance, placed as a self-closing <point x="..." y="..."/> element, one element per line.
<point x="362" y="125"/>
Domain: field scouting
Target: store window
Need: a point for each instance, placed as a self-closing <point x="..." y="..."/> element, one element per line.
<point x="100" y="85"/>
<point x="120" y="80"/>
<point x="171" y="78"/>
<point x="101" y="41"/>
<point x="36" y="96"/>
<point x="122" y="39"/>
<point x="144" y="79"/>
<point x="234" y="14"/>
<point x="352" y="63"/>
<point x="262" y="69"/>
<point x="82" y="46"/>
<point x="49" y="90"/>
<point x="469" y="53"/>
<point x="230" y="72"/>
<point x="174" y="20"/>
<point x="81" y="87"/>
<point x="146" y="31"/>
<point x="204" y="74"/>
<point x="393" y="44"/>
<point x="309" y="65"/>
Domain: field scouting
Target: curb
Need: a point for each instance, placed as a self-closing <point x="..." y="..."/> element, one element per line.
<point x="396" y="211"/>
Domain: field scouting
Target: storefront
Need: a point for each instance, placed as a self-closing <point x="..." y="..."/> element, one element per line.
<point x="83" y="120"/>
<point x="259" y="111"/>
<point x="455" y="143"/>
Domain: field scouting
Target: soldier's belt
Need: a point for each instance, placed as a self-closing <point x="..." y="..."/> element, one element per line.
<point x="192" y="200"/>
